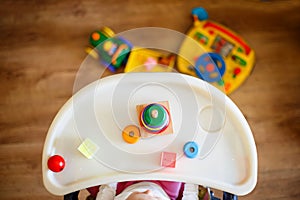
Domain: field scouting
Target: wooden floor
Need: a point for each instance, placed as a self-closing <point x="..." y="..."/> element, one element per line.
<point x="42" y="46"/>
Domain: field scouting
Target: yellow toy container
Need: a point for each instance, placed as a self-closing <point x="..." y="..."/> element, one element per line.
<point x="147" y="60"/>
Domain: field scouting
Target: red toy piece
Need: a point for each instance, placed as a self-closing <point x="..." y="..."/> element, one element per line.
<point x="56" y="163"/>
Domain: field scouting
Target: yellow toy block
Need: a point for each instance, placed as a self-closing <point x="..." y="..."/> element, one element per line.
<point x="88" y="148"/>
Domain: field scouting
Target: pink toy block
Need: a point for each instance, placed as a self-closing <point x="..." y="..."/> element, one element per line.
<point x="168" y="159"/>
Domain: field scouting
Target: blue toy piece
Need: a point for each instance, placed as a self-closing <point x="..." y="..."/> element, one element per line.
<point x="190" y="149"/>
<point x="210" y="67"/>
<point x="200" y="13"/>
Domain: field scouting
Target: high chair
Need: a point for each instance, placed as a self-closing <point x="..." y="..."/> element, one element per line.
<point x="149" y="126"/>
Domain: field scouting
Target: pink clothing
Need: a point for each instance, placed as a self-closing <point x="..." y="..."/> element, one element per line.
<point x="173" y="189"/>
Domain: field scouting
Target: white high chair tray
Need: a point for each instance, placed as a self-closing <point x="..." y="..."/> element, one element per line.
<point x="227" y="158"/>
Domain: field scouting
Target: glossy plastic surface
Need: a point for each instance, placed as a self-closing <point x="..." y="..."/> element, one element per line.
<point x="227" y="158"/>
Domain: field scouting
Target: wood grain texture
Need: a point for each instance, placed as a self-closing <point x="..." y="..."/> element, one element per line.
<point x="42" y="46"/>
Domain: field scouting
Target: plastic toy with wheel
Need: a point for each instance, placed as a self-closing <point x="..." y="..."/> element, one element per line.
<point x="238" y="58"/>
<point x="112" y="51"/>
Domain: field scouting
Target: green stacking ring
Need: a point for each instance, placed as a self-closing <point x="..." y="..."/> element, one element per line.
<point x="155" y="116"/>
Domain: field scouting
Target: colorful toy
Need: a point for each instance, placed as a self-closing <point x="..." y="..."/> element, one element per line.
<point x="168" y="159"/>
<point x="227" y="65"/>
<point x="146" y="60"/>
<point x="131" y="134"/>
<point x="154" y="119"/>
<point x="234" y="63"/>
<point x="88" y="148"/>
<point x="116" y="52"/>
<point x="56" y="163"/>
<point x="112" y="51"/>
<point x="190" y="149"/>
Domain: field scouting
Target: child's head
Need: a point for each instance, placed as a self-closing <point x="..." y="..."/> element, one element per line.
<point x="147" y="195"/>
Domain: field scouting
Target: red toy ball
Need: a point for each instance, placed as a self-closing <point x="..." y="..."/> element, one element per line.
<point x="56" y="163"/>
